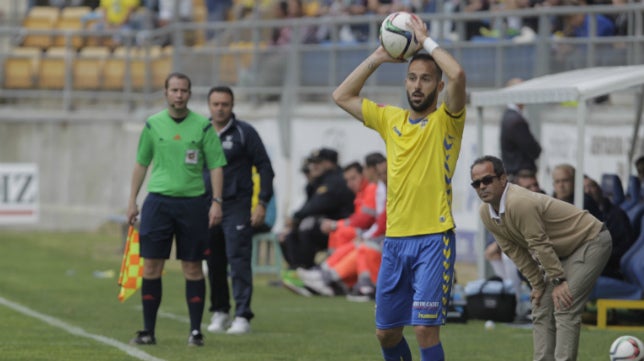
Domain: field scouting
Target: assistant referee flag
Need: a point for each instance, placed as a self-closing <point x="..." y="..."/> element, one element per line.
<point x="131" y="274"/>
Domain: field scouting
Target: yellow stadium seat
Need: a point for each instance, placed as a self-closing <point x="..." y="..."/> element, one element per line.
<point x="156" y="65"/>
<point x="51" y="70"/>
<point x="162" y="67"/>
<point x="88" y="67"/>
<point x="20" y="67"/>
<point x="71" y="18"/>
<point x="199" y="15"/>
<point x="114" y="70"/>
<point x="40" y="18"/>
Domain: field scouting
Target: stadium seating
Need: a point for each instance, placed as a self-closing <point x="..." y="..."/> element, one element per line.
<point x="632" y="262"/>
<point x="632" y="266"/>
<point x="612" y="188"/>
<point x="632" y="193"/>
<point x="635" y="215"/>
<point x="161" y="67"/>
<point x="51" y="70"/>
<point x="40" y="18"/>
<point x="20" y="67"/>
<point x="114" y="70"/>
<point x="135" y="65"/>
<point x="88" y="68"/>
<point x="71" y="19"/>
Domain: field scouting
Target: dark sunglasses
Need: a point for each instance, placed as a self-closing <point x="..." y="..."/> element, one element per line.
<point x="487" y="180"/>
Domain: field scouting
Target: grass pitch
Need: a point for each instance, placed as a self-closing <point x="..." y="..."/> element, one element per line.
<point x="53" y="307"/>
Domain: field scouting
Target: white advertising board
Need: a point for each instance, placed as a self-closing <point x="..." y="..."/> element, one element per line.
<point x="19" y="201"/>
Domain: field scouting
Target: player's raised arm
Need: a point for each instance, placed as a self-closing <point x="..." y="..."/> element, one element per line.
<point x="347" y="94"/>
<point x="456" y="95"/>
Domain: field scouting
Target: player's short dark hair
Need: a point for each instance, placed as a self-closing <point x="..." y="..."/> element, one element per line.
<point x="426" y="57"/>
<point x="497" y="164"/>
<point x="178" y="76"/>
<point x="354" y="165"/>
<point x="222" y="89"/>
<point x="373" y="159"/>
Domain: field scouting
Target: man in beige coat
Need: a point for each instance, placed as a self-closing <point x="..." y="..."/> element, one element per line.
<point x="559" y="248"/>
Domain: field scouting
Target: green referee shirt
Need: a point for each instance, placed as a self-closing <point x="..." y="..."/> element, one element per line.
<point x="179" y="151"/>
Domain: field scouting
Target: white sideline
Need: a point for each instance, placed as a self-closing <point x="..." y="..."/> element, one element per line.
<point x="130" y="350"/>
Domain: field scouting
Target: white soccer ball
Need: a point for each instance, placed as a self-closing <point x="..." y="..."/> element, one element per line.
<point x="397" y="37"/>
<point x="627" y="348"/>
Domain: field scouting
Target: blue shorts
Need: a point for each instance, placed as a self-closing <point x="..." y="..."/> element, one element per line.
<point x="415" y="280"/>
<point x="182" y="218"/>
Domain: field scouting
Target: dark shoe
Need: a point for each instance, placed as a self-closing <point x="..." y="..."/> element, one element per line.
<point x="195" y="339"/>
<point x="143" y="338"/>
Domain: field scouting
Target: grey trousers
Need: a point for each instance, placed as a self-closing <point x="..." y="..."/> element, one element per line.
<point x="556" y="333"/>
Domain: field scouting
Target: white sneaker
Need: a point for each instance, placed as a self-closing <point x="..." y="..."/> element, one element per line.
<point x="314" y="280"/>
<point x="218" y="322"/>
<point x="239" y="326"/>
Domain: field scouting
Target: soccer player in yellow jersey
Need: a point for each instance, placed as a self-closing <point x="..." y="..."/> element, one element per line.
<point x="422" y="145"/>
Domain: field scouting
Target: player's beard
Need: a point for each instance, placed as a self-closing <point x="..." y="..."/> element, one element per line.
<point x="425" y="104"/>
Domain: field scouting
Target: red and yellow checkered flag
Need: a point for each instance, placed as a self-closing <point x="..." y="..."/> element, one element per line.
<point x="131" y="274"/>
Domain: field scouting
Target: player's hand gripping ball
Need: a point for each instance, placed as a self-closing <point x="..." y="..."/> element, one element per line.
<point x="397" y="37"/>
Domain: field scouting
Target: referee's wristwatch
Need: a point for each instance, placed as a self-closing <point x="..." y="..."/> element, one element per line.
<point x="217" y="200"/>
<point x="558" y="280"/>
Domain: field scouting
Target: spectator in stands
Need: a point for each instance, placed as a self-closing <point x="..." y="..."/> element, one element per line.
<point x="119" y="15"/>
<point x="528" y="180"/>
<point x="168" y="11"/>
<point x="618" y="225"/>
<point x="274" y="65"/>
<point x="563" y="179"/>
<point x="218" y="9"/>
<point x="578" y="25"/>
<point x="330" y="198"/>
<point x="473" y="27"/>
<point x="386" y="7"/>
<point x="519" y="148"/>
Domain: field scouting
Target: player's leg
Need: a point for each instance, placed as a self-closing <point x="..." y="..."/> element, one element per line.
<point x="191" y="219"/>
<point x="543" y="327"/>
<point x="155" y="234"/>
<point x="394" y="298"/>
<point x="581" y="269"/>
<point x="239" y="246"/>
<point x="218" y="278"/>
<point x="433" y="278"/>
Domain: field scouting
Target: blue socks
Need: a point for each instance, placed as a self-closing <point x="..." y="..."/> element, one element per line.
<point x="400" y="352"/>
<point x="434" y="353"/>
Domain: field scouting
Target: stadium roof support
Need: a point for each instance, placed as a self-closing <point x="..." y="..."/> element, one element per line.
<point x="578" y="86"/>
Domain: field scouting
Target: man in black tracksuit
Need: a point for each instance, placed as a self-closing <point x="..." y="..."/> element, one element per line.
<point x="231" y="241"/>
<point x="331" y="198"/>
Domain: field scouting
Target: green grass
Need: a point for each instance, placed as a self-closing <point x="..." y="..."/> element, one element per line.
<point x="51" y="273"/>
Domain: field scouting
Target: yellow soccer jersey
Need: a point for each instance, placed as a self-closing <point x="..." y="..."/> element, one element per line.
<point x="421" y="158"/>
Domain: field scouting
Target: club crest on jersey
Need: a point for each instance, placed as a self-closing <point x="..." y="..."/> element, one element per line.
<point x="228" y="142"/>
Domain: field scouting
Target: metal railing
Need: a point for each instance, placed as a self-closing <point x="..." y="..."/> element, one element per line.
<point x="239" y="54"/>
